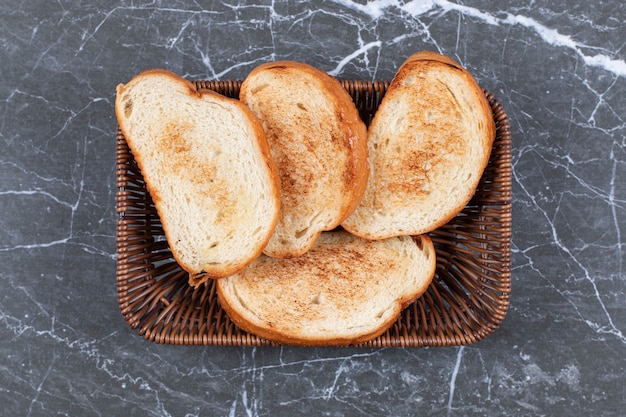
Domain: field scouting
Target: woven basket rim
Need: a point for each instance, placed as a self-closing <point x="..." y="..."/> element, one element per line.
<point x="467" y="301"/>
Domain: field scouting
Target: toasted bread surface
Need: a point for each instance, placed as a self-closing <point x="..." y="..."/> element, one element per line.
<point x="429" y="143"/>
<point x="319" y="145"/>
<point x="206" y="163"/>
<point x="344" y="290"/>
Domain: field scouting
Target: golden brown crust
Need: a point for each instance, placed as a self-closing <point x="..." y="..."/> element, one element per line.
<point x="426" y="116"/>
<point x="343" y="273"/>
<point x="175" y="143"/>
<point x="196" y="279"/>
<point x="433" y="56"/>
<point x="347" y="134"/>
<point x="354" y="136"/>
<point x="284" y="339"/>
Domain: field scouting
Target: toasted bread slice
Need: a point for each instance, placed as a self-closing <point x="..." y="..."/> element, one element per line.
<point x="319" y="145"/>
<point x="344" y="290"/>
<point x="429" y="143"/>
<point x="206" y="164"/>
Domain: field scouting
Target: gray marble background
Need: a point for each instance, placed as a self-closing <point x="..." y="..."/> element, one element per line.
<point x="559" y="69"/>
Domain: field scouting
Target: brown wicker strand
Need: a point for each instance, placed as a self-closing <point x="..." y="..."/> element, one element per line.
<point x="467" y="300"/>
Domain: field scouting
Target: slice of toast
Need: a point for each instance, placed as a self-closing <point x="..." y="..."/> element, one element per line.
<point x="344" y="290"/>
<point x="206" y="163"/>
<point x="429" y="143"/>
<point x="319" y="145"/>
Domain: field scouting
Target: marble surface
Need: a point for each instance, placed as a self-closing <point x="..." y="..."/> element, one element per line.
<point x="559" y="69"/>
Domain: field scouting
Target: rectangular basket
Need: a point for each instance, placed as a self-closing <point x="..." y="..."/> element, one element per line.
<point x="467" y="300"/>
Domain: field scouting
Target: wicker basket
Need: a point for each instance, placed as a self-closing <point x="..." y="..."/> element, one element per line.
<point x="467" y="300"/>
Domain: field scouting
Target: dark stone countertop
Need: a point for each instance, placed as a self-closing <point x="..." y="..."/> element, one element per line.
<point x="559" y="69"/>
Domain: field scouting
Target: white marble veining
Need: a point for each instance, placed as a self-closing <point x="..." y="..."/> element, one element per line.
<point x="559" y="69"/>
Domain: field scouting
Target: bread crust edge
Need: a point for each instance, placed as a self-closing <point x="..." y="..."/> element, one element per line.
<point x="196" y="278"/>
<point x="485" y="110"/>
<point x="285" y="339"/>
<point x="358" y="137"/>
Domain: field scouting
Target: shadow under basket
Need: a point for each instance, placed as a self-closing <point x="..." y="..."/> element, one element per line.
<point x="466" y="301"/>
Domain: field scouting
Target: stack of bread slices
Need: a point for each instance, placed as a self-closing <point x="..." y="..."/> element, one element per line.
<point x="314" y="227"/>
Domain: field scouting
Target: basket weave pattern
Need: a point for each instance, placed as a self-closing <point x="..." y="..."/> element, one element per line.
<point x="467" y="300"/>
